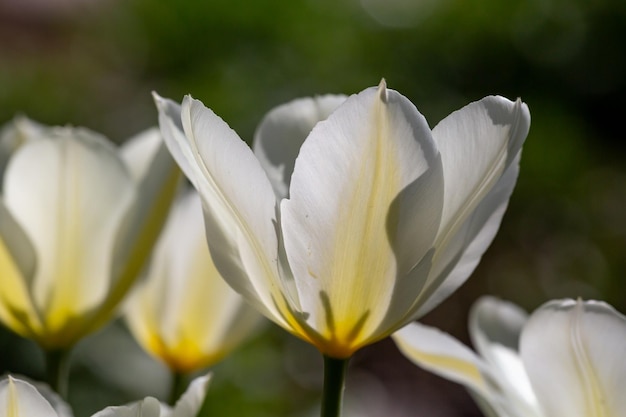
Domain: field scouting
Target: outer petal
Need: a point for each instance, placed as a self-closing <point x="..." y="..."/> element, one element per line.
<point x="480" y="146"/>
<point x="239" y="205"/>
<point x="191" y="401"/>
<point x="574" y="354"/>
<point x="70" y="207"/>
<point x="140" y="151"/>
<point x="347" y="225"/>
<point x="495" y="327"/>
<point x="17" y="268"/>
<point x="15" y="134"/>
<point x="156" y="177"/>
<point x="149" y="407"/>
<point x="184" y="313"/>
<point x="440" y="353"/>
<point x="20" y="399"/>
<point x="281" y="133"/>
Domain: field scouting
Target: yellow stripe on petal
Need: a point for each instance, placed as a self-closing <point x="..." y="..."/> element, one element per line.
<point x="343" y="217"/>
<point x="16" y="310"/>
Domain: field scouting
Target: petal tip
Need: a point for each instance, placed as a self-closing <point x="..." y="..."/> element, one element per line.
<point x="382" y="90"/>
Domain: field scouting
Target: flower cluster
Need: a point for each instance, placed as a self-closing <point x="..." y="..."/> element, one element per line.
<point x="349" y="219"/>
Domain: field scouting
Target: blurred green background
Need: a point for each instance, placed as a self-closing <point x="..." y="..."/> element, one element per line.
<point x="94" y="63"/>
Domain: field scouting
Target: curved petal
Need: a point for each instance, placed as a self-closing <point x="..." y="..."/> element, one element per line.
<point x="20" y="399"/>
<point x="139" y="152"/>
<point x="70" y="207"/>
<point x="13" y="135"/>
<point x="493" y="321"/>
<point x="183" y="312"/>
<point x="345" y="230"/>
<point x="148" y="407"/>
<point x="574" y="354"/>
<point x="191" y="401"/>
<point x="239" y="205"/>
<point x="495" y="327"/>
<point x="17" y="268"/>
<point x="440" y="353"/>
<point x="156" y="178"/>
<point x="280" y="134"/>
<point x="477" y="144"/>
<point x="480" y="148"/>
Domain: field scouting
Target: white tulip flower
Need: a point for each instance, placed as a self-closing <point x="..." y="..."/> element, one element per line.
<point x="565" y="360"/>
<point x="19" y="398"/>
<point x="183" y="312"/>
<point x="379" y="221"/>
<point x="78" y="218"/>
<point x="22" y="397"/>
<point x="188" y="405"/>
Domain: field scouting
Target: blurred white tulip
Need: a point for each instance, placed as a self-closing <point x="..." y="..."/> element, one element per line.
<point x="565" y="360"/>
<point x="78" y="218"/>
<point x="183" y="312"/>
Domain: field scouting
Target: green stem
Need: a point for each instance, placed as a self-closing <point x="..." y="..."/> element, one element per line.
<point x="179" y="383"/>
<point x="334" y="379"/>
<point x="57" y="370"/>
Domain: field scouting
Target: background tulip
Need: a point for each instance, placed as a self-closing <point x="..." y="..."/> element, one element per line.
<point x="565" y="360"/>
<point x="20" y="399"/>
<point x="183" y="312"/>
<point x="78" y="218"/>
<point x="384" y="217"/>
<point x="188" y="406"/>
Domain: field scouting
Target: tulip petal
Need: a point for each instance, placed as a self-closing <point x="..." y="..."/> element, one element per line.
<point x="574" y="354"/>
<point x="149" y="407"/>
<point x="281" y="133"/>
<point x="140" y="151"/>
<point x="13" y="135"/>
<point x="184" y="312"/>
<point x="238" y="202"/>
<point x="440" y="353"/>
<point x="480" y="149"/>
<point x="20" y="399"/>
<point x="17" y="267"/>
<point x="191" y="401"/>
<point x="495" y="327"/>
<point x="346" y="223"/>
<point x="477" y="144"/>
<point x="493" y="321"/>
<point x="157" y="177"/>
<point x="82" y="186"/>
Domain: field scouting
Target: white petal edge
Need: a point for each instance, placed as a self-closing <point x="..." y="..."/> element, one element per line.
<point x="574" y="354"/>
<point x="148" y="407"/>
<point x="282" y="131"/>
<point x="480" y="148"/>
<point x="442" y="354"/>
<point x="191" y="401"/>
<point x="20" y="399"/>
<point x="238" y="201"/>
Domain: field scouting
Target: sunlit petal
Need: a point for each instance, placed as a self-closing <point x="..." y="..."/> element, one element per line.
<point x="442" y="354"/>
<point x="149" y="407"/>
<point x="344" y="230"/>
<point x="191" y="401"/>
<point x="495" y="327"/>
<point x="240" y="212"/>
<point x="20" y="399"/>
<point x="574" y="354"/>
<point x="71" y="214"/>
<point x="480" y="146"/>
